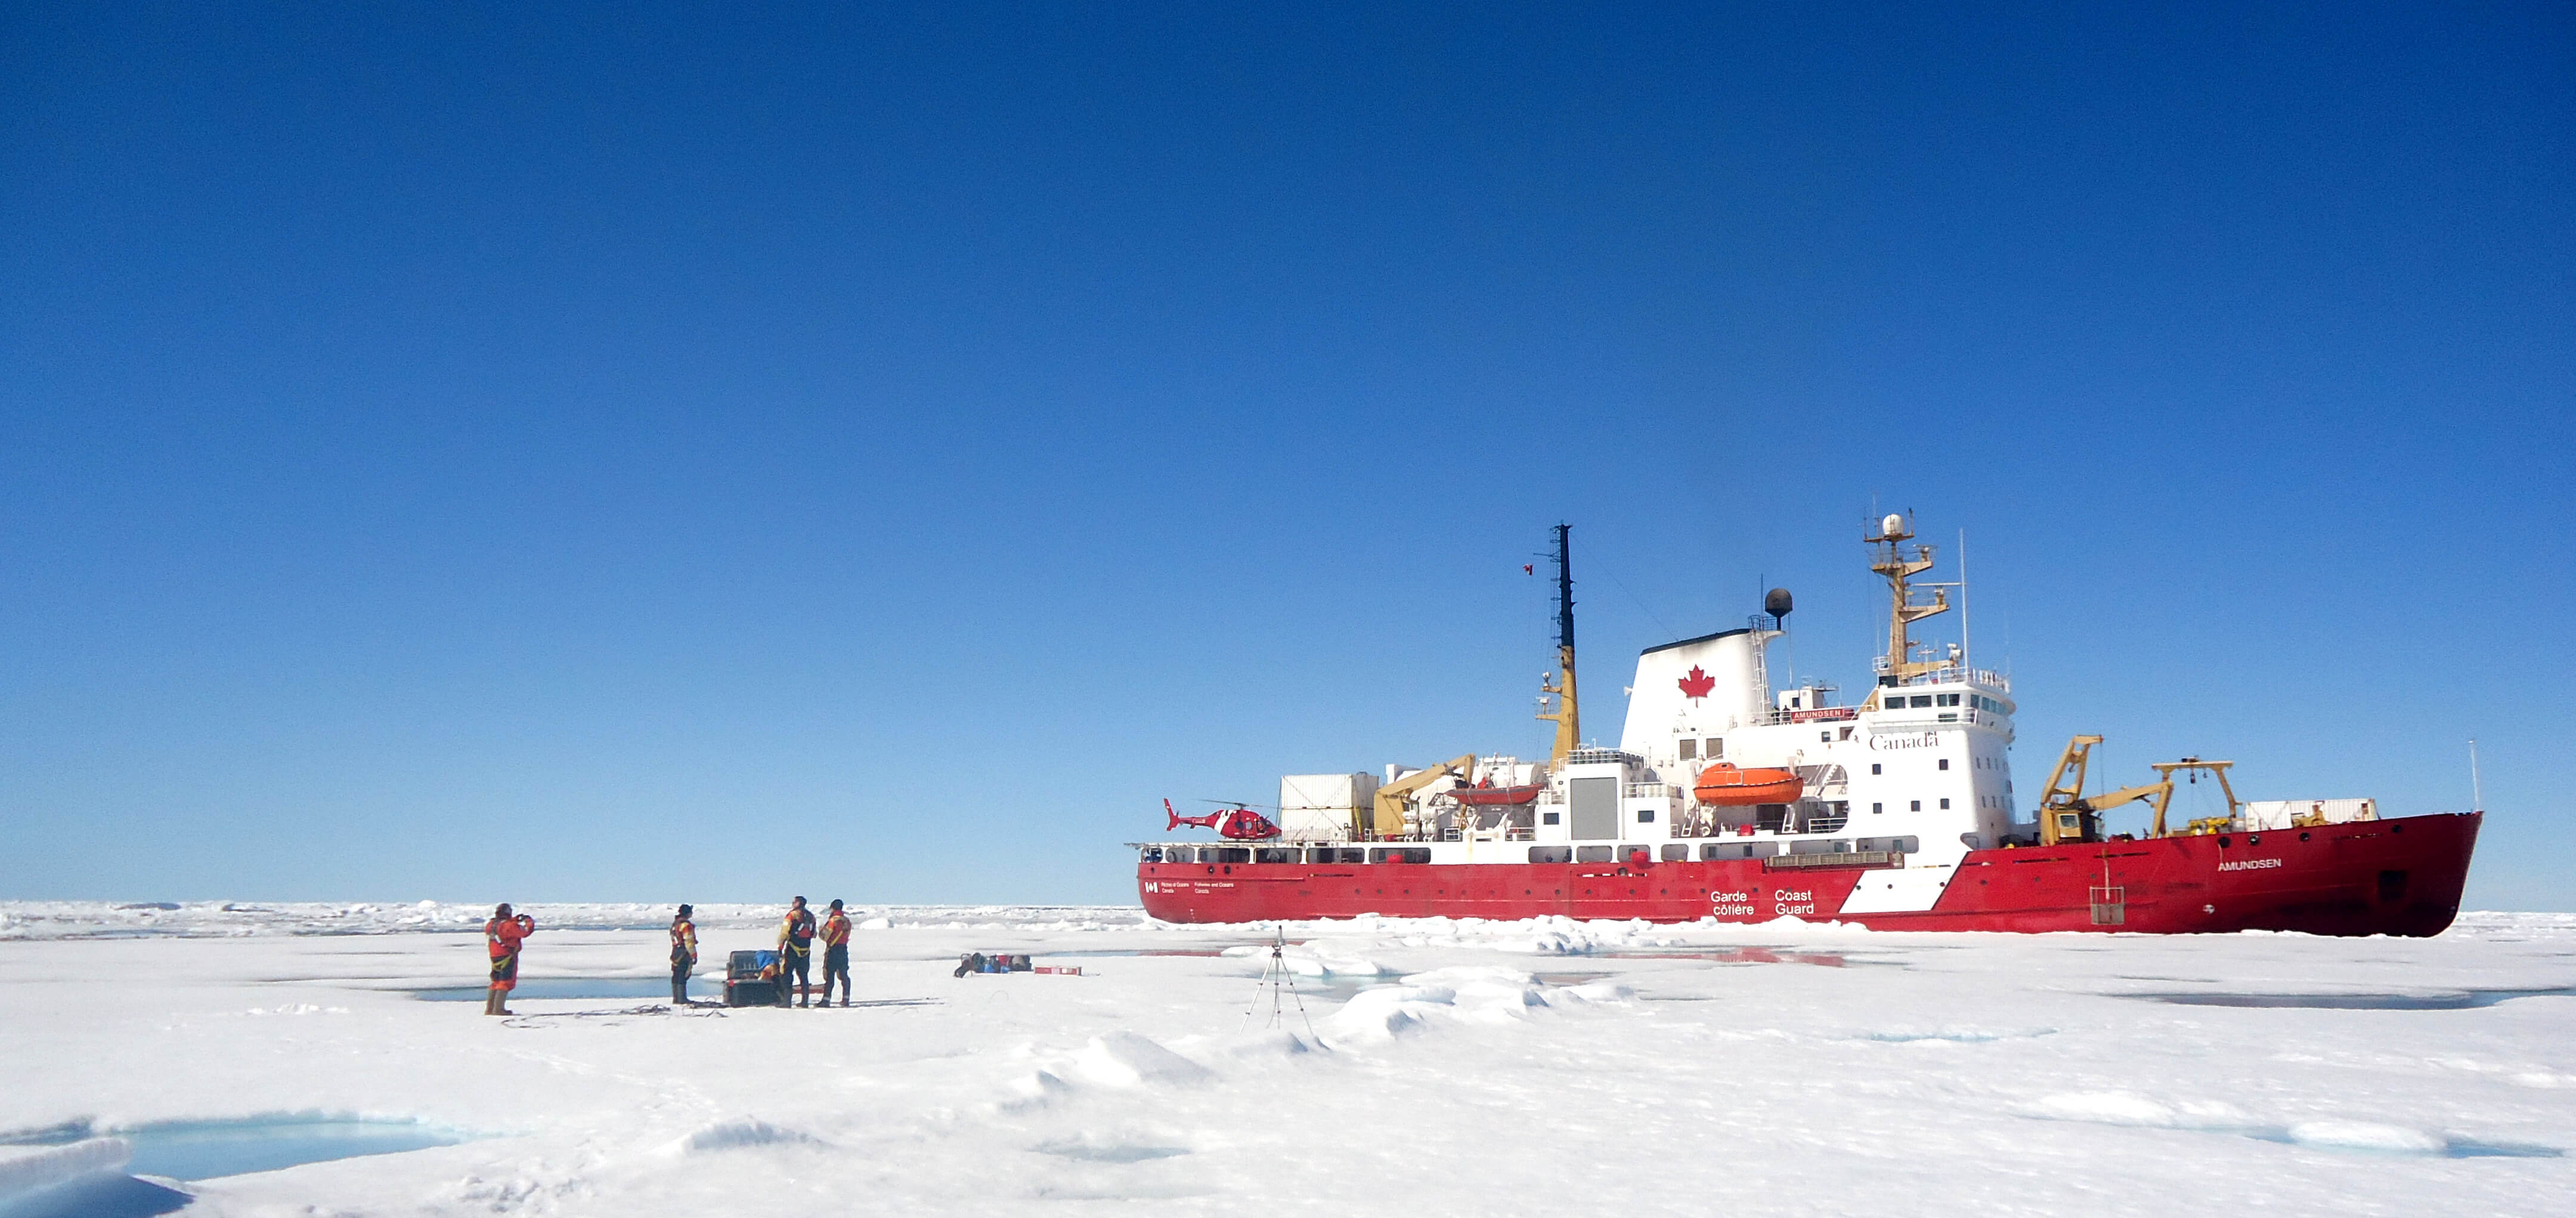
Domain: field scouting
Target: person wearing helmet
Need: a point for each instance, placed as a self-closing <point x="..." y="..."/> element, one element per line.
<point x="836" y="953"/>
<point x="684" y="955"/>
<point x="504" y="935"/>
<point x="796" y="952"/>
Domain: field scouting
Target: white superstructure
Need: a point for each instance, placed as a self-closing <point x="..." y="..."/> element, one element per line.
<point x="1915" y="771"/>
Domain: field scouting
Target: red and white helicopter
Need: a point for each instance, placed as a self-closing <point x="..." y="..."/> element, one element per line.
<point x="1237" y="821"/>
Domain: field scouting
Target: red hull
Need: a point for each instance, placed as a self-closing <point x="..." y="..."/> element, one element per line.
<point x="2391" y="877"/>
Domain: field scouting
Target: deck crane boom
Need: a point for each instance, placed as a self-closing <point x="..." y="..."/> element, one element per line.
<point x="1387" y="818"/>
<point x="2066" y="813"/>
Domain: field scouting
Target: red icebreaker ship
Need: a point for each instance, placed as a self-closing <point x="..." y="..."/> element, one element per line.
<point x="1729" y="799"/>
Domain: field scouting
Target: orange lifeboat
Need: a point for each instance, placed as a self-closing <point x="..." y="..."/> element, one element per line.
<point x="1727" y="785"/>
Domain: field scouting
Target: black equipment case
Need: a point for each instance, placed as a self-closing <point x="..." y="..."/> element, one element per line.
<point x="751" y="979"/>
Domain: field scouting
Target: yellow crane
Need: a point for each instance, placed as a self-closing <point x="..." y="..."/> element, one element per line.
<point x="2217" y="770"/>
<point x="1387" y="818"/>
<point x="2066" y="813"/>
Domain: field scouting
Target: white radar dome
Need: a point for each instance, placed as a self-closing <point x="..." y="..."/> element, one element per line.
<point x="1891" y="526"/>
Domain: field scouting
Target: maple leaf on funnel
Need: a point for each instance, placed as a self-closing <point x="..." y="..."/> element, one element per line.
<point x="1697" y="683"/>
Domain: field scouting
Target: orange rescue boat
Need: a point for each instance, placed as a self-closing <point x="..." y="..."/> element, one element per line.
<point x="1727" y="785"/>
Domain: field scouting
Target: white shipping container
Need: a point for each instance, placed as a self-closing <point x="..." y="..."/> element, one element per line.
<point x="1315" y="824"/>
<point x="1341" y="792"/>
<point x="2266" y="814"/>
<point x="1319" y="807"/>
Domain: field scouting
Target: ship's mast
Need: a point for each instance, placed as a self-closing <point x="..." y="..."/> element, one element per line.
<point x="1567" y="715"/>
<point x="1899" y="563"/>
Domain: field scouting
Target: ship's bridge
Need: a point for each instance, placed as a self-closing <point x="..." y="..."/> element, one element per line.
<point x="1946" y="674"/>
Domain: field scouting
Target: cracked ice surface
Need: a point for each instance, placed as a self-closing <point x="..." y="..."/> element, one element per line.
<point x="1437" y="1067"/>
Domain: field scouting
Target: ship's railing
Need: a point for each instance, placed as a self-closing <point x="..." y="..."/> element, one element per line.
<point x="1948" y="674"/>
<point x="1503" y="833"/>
<point x="1937" y="715"/>
<point x="1649" y="790"/>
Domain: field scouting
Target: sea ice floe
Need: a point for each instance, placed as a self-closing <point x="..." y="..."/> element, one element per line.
<point x="1768" y="1084"/>
<point x="1266" y="1043"/>
<point x="1473" y="994"/>
<point x="2127" y="1108"/>
<point x="1322" y="960"/>
<point x="1125" y="1059"/>
<point x="1092" y="1147"/>
<point x="736" y="1132"/>
<point x="2368" y="1135"/>
<point x="2342" y="1134"/>
<point x="1954" y="1036"/>
<point x="30" y="1169"/>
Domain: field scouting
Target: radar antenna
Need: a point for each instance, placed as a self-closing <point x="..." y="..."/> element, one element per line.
<point x="1898" y="562"/>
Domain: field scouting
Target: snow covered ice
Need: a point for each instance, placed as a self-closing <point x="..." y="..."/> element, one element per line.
<point x="1437" y="1067"/>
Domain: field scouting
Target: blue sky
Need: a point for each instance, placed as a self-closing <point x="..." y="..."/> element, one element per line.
<point x="619" y="452"/>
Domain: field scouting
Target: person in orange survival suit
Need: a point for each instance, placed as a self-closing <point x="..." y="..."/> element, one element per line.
<point x="796" y="952"/>
<point x="836" y="953"/>
<point x="684" y="955"/>
<point x="504" y="934"/>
